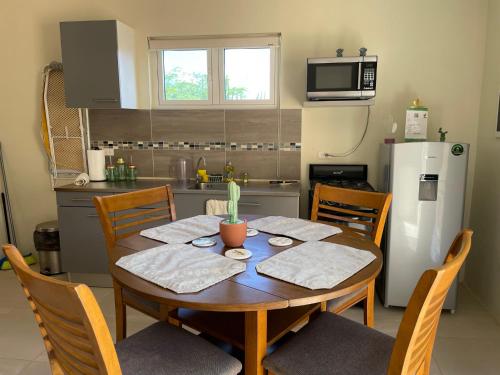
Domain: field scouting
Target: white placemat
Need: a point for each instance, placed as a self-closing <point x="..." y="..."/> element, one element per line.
<point x="316" y="265"/>
<point x="303" y="230"/>
<point x="185" y="230"/>
<point x="181" y="268"/>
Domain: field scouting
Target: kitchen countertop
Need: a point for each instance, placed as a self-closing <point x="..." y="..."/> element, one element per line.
<point x="252" y="188"/>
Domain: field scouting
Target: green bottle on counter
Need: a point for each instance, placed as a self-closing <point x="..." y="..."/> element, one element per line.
<point x="228" y="172"/>
<point x="121" y="170"/>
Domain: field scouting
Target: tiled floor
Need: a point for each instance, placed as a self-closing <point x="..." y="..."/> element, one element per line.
<point x="468" y="342"/>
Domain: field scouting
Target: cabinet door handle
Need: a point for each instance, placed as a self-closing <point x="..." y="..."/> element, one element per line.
<point x="255" y="204"/>
<point x="81" y="199"/>
<point x="105" y="100"/>
<point x="92" y="215"/>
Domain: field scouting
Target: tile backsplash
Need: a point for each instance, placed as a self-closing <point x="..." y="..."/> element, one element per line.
<point x="264" y="143"/>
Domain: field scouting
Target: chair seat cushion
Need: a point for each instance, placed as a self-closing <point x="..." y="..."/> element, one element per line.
<point x="335" y="305"/>
<point x="333" y="345"/>
<point x="162" y="349"/>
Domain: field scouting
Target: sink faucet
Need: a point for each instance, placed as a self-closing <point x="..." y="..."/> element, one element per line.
<point x="200" y="160"/>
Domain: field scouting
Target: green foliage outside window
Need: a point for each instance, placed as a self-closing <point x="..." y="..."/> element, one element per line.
<point x="181" y="86"/>
<point x="234" y="93"/>
<point x="194" y="86"/>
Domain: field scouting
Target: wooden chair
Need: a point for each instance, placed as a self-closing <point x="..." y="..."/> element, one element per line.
<point x="121" y="216"/>
<point x="366" y="213"/>
<point x="335" y="345"/>
<point x="78" y="341"/>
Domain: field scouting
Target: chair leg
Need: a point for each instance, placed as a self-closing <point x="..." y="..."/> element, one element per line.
<point x="120" y="313"/>
<point x="369" y="305"/>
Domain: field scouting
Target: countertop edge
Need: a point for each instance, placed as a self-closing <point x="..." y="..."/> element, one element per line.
<point x="289" y="190"/>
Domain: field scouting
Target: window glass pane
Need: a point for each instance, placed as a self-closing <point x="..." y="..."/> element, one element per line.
<point x="247" y="74"/>
<point x="185" y="75"/>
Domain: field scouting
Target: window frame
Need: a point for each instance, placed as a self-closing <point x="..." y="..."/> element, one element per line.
<point x="216" y="73"/>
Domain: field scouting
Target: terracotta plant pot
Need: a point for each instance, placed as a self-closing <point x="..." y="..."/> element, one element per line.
<point x="233" y="235"/>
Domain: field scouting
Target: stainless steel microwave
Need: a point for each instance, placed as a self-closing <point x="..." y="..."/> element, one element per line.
<point x="341" y="78"/>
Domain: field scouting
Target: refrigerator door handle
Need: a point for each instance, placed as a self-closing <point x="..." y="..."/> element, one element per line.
<point x="429" y="177"/>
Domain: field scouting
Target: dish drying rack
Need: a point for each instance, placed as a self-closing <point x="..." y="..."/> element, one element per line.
<point x="215" y="178"/>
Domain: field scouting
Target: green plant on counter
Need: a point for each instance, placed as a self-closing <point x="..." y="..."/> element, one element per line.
<point x="233" y="191"/>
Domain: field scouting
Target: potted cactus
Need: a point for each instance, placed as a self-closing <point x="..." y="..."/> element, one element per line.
<point x="233" y="231"/>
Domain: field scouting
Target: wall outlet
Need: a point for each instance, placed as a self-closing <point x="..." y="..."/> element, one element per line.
<point x="109" y="151"/>
<point x="322" y="155"/>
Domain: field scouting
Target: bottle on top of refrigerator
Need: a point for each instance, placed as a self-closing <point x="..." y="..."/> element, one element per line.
<point x="416" y="122"/>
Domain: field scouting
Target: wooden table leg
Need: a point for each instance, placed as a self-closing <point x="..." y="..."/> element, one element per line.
<point x="255" y="341"/>
<point x="167" y="314"/>
<point x="120" y="312"/>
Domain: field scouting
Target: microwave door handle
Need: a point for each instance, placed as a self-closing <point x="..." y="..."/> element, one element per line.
<point x="359" y="76"/>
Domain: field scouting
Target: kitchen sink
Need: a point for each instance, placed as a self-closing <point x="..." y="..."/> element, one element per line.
<point x="209" y="186"/>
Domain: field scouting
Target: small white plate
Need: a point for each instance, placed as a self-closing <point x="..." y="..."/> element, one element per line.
<point x="238" y="254"/>
<point x="280" y="241"/>
<point x="204" y="242"/>
<point x="252" y="232"/>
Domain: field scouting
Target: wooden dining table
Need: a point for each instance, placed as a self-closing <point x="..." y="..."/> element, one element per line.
<point x="249" y="310"/>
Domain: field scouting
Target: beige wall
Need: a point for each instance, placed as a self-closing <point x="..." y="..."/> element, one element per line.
<point x="433" y="49"/>
<point x="483" y="268"/>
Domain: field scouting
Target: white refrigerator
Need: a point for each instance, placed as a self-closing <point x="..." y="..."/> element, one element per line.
<point x="427" y="180"/>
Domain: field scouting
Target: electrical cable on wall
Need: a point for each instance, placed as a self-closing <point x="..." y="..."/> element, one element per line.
<point x="347" y="153"/>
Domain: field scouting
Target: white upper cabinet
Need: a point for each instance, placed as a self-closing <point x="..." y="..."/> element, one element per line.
<point x="99" y="64"/>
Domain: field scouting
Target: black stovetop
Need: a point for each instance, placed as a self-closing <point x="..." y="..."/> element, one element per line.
<point x="346" y="184"/>
<point x="348" y="176"/>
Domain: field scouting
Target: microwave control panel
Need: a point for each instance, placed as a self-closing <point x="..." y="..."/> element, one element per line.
<point x="369" y="76"/>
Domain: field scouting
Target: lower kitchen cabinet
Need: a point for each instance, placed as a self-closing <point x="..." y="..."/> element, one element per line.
<point x="83" y="247"/>
<point x="188" y="205"/>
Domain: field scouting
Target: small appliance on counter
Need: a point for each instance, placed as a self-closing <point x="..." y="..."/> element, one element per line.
<point x="427" y="180"/>
<point x="342" y="78"/>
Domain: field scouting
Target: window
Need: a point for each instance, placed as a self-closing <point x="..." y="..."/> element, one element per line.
<point x="185" y="75"/>
<point x="247" y="74"/>
<point x="223" y="72"/>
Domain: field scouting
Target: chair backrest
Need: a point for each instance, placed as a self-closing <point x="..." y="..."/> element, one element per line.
<point x="73" y="329"/>
<point x="366" y="212"/>
<point x="416" y="335"/>
<point x="123" y="215"/>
